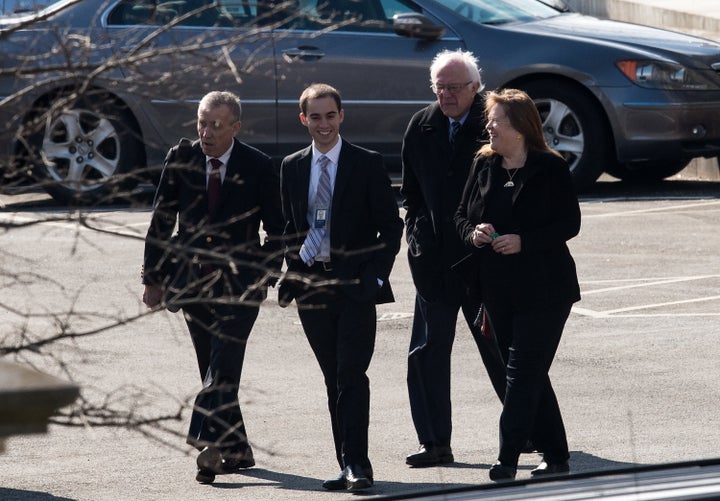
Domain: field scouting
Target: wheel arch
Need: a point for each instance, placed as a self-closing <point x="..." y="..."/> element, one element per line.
<point x="42" y="103"/>
<point x="101" y="102"/>
<point x="523" y="81"/>
<point x="598" y="150"/>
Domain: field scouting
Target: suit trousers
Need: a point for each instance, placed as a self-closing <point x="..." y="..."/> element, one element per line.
<point x="219" y="334"/>
<point x="341" y="333"/>
<point x="528" y="338"/>
<point x="428" y="377"/>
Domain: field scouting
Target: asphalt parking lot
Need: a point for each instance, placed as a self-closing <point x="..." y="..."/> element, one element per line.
<point x="636" y="374"/>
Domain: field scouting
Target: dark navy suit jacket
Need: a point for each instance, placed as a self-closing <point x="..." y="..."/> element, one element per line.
<point x="365" y="226"/>
<point x="231" y="240"/>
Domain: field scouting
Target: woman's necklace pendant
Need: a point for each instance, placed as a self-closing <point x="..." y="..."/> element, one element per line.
<point x="509" y="183"/>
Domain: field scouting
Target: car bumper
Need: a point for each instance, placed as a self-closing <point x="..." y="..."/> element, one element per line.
<point x="666" y="130"/>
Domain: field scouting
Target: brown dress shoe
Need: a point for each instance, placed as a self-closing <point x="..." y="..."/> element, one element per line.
<point x="430" y="455"/>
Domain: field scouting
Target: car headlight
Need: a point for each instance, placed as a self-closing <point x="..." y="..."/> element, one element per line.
<point x="664" y="75"/>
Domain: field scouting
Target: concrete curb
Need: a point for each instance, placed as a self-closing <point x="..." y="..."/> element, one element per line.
<point x="699" y="17"/>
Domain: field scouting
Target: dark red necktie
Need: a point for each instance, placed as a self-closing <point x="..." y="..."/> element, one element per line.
<point x="214" y="184"/>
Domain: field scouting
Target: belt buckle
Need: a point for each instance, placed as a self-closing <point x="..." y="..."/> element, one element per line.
<point x="326" y="265"/>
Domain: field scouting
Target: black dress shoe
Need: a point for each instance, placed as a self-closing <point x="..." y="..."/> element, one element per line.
<point x="430" y="455"/>
<point x="234" y="461"/>
<point x="499" y="471"/>
<point x="356" y="478"/>
<point x="336" y="484"/>
<point x="210" y="459"/>
<point x="209" y="463"/>
<point x="205" y="476"/>
<point x="545" y="468"/>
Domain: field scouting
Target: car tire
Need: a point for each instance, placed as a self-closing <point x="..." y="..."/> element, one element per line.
<point x="86" y="152"/>
<point x="573" y="127"/>
<point x="635" y="172"/>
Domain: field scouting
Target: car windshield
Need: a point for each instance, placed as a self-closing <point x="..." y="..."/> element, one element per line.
<point x="500" y="11"/>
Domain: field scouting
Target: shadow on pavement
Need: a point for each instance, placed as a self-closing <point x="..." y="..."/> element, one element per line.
<point x="18" y="495"/>
<point x="34" y="200"/>
<point x="671" y="189"/>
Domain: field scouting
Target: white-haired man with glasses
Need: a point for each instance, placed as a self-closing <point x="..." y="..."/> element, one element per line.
<point x="438" y="148"/>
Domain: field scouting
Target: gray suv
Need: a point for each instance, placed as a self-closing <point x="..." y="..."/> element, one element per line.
<point x="93" y="92"/>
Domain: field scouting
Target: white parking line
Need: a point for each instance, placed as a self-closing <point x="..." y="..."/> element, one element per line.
<point x="671" y="208"/>
<point x="604" y="314"/>
<point x="668" y="303"/>
<point x="645" y="282"/>
<point x="624" y="311"/>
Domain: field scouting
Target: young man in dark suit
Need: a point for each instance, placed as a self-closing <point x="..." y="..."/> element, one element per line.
<point x="216" y="268"/>
<point x="342" y="230"/>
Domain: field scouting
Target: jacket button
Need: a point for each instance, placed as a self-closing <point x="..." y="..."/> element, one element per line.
<point x="208" y="239"/>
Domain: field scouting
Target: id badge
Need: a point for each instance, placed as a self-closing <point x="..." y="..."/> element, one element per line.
<point x="320" y="218"/>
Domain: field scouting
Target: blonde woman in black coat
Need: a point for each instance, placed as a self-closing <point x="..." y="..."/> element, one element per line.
<point x="518" y="210"/>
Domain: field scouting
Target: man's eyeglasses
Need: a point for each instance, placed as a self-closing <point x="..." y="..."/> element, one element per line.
<point x="451" y="88"/>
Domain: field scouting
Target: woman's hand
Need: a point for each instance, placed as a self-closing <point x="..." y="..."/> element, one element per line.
<point x="483" y="234"/>
<point x="507" y="244"/>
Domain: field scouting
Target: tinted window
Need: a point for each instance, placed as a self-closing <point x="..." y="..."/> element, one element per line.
<point x="500" y="12"/>
<point x="181" y="12"/>
<point x="345" y="15"/>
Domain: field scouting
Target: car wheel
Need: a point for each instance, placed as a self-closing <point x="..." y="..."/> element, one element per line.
<point x="572" y="126"/>
<point x="85" y="153"/>
<point x="634" y="172"/>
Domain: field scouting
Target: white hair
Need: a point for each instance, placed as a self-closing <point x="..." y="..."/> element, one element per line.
<point x="446" y="57"/>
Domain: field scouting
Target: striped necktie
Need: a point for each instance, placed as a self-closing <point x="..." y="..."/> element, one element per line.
<point x="454" y="127"/>
<point x="323" y="197"/>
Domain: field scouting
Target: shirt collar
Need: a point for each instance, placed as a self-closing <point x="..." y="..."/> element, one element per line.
<point x="333" y="154"/>
<point x="462" y="119"/>
<point x="223" y="158"/>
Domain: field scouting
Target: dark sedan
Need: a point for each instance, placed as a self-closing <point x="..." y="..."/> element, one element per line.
<point x="93" y="92"/>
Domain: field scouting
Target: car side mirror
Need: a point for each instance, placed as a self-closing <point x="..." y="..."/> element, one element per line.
<point x="414" y="25"/>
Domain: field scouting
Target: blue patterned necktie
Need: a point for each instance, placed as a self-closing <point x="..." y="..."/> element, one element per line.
<point x="454" y="127"/>
<point x="323" y="197"/>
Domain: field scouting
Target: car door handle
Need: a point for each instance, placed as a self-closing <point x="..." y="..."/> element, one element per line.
<point x="129" y="50"/>
<point x="304" y="52"/>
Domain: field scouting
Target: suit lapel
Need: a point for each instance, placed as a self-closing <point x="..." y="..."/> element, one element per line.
<point x="346" y="163"/>
<point x="302" y="186"/>
<point x="197" y="180"/>
<point x="233" y="173"/>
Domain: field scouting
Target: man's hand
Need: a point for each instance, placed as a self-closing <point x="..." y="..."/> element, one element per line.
<point x="152" y="295"/>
